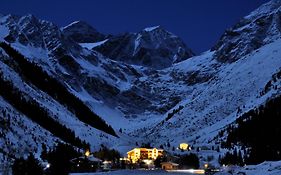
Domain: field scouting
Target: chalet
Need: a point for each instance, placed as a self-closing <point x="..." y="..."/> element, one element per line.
<point x="140" y="154"/>
<point x="169" y="166"/>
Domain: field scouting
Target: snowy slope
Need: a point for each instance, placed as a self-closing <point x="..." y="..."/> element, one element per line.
<point x="58" y="111"/>
<point x="260" y="27"/>
<point x="215" y="89"/>
<point x="93" y="45"/>
<point x="23" y="133"/>
<point x="185" y="100"/>
<point x="266" y="168"/>
<point x="215" y="105"/>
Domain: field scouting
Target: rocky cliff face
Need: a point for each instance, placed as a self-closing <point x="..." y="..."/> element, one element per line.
<point x="236" y="71"/>
<point x="152" y="47"/>
<point x="261" y="27"/>
<point x="81" y="32"/>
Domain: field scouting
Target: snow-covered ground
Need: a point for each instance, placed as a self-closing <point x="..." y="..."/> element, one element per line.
<point x="132" y="172"/>
<point x="92" y="45"/>
<point x="266" y="168"/>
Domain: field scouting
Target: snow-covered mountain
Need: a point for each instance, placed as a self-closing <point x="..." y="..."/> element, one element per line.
<point x="149" y="84"/>
<point x="152" y="47"/>
<point x="82" y="32"/>
<point x="239" y="71"/>
<point x="259" y="28"/>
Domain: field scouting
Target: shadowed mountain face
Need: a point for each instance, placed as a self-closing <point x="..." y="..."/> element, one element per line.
<point x="152" y="47"/>
<point x="261" y="27"/>
<point x="81" y="32"/>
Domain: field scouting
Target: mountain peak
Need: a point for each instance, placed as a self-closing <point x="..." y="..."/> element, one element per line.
<point x="157" y="29"/>
<point x="153" y="47"/>
<point x="76" y="24"/>
<point x="82" y="32"/>
<point x="260" y="27"/>
<point x="268" y="8"/>
<point x="29" y="18"/>
<point x="149" y="29"/>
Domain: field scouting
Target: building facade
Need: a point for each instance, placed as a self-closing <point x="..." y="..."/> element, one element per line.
<point x="169" y="166"/>
<point x="139" y="154"/>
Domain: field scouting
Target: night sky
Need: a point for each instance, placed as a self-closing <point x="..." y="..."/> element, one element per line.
<point x="199" y="23"/>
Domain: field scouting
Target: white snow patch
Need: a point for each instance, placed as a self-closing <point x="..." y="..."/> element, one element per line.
<point x="75" y="22"/>
<point x="4" y="31"/>
<point x="37" y="54"/>
<point x="93" y="45"/>
<point x="149" y="29"/>
<point x="265" y="168"/>
<point x="137" y="43"/>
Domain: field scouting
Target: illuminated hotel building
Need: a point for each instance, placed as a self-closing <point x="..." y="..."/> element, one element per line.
<point x="143" y="154"/>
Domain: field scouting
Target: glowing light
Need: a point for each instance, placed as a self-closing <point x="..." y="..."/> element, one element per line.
<point x="206" y="165"/>
<point x="143" y="153"/>
<point x="124" y="158"/>
<point x="148" y="162"/>
<point x="184" y="146"/>
<point x="48" y="165"/>
<point x="106" y="162"/>
<point x="87" y="153"/>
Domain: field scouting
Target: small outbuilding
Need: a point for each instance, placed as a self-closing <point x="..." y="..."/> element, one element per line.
<point x="169" y="166"/>
<point x="184" y="146"/>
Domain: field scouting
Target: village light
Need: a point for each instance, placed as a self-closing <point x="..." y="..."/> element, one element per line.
<point x="148" y="162"/>
<point x="48" y="165"/>
<point x="87" y="153"/>
<point x="206" y="165"/>
<point x="143" y="153"/>
<point x="124" y="159"/>
<point x="184" y="146"/>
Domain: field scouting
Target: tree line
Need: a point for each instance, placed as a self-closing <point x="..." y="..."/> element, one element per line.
<point x="36" y="76"/>
<point x="36" y="113"/>
<point x="258" y="133"/>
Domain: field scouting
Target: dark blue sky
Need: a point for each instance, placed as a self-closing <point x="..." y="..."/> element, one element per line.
<point x="198" y="22"/>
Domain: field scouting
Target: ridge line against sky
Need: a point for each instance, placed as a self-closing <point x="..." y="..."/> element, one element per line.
<point x="199" y="23"/>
